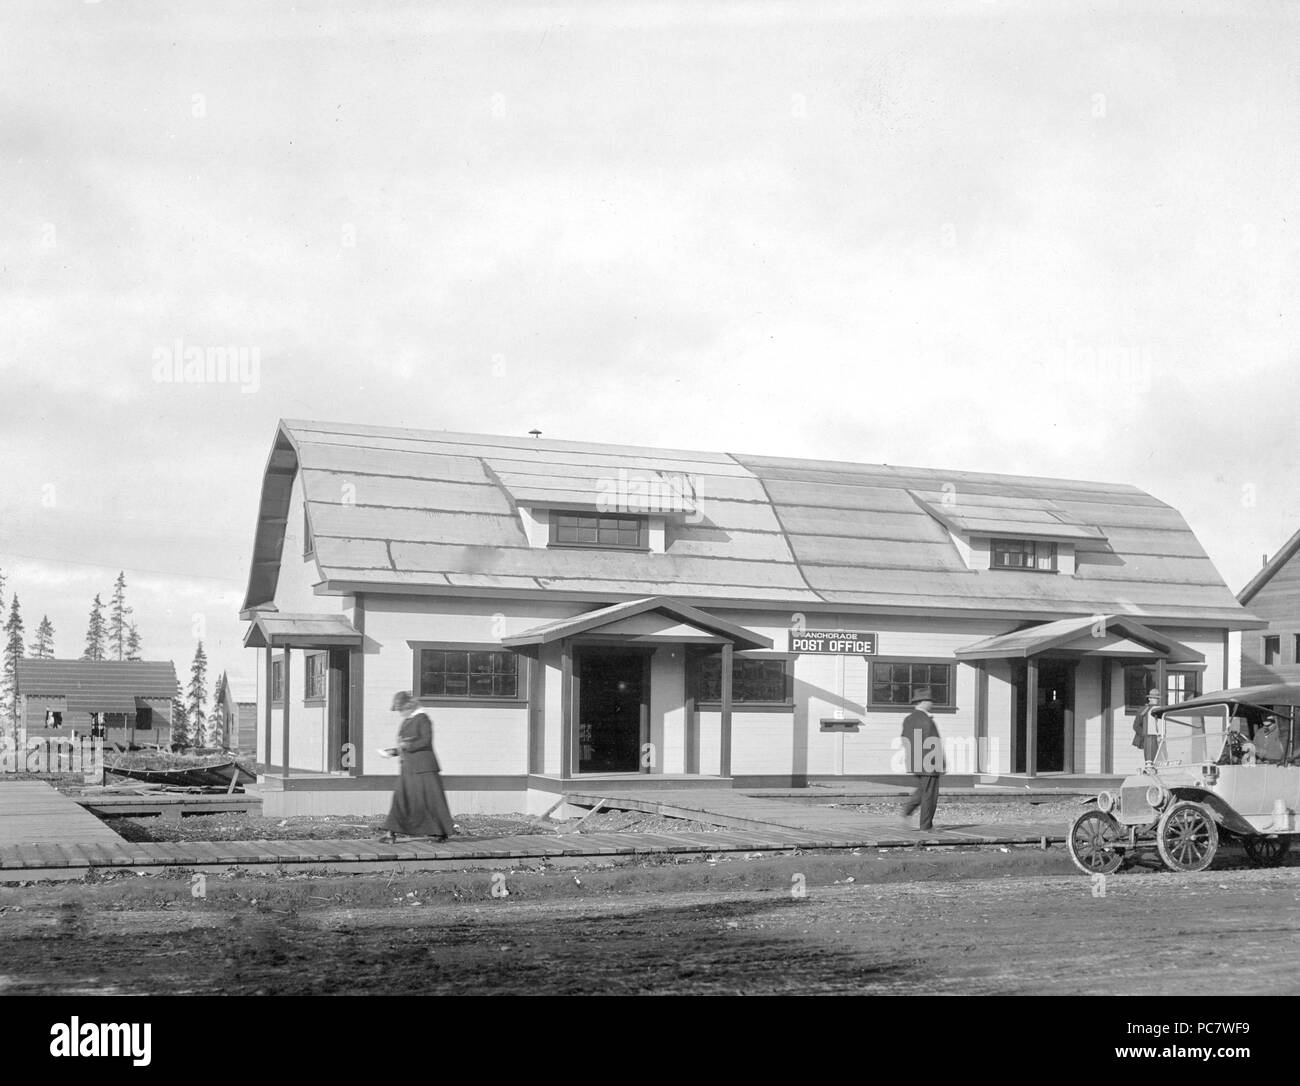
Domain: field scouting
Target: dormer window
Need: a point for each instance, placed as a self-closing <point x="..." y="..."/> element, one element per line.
<point x="1034" y="555"/>
<point x="571" y="529"/>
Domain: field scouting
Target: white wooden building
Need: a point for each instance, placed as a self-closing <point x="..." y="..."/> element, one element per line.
<point x="571" y="612"/>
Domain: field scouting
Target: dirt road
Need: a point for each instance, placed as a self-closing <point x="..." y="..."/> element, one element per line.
<point x="1014" y="923"/>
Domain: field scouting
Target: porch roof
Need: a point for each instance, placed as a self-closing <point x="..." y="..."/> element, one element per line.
<point x="606" y="616"/>
<point x="300" y="631"/>
<point x="1118" y="636"/>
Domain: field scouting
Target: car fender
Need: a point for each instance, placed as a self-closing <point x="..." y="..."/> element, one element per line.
<point x="1222" y="812"/>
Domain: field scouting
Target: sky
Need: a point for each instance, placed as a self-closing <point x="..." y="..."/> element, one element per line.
<point x="1052" y="240"/>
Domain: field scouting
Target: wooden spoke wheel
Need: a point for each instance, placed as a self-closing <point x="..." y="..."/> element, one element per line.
<point x="1187" y="837"/>
<point x="1092" y="843"/>
<point x="1266" y="851"/>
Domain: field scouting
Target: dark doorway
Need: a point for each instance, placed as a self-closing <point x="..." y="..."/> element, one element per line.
<point x="1055" y="704"/>
<point x="338" y="692"/>
<point x="611" y="710"/>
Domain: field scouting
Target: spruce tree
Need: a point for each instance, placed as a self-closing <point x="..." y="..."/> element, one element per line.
<point x="43" y="647"/>
<point x="180" y="722"/>
<point x="118" y="619"/>
<point x="13" y="653"/>
<point x="133" y="644"/>
<point x="95" y="633"/>
<point x="198" y="694"/>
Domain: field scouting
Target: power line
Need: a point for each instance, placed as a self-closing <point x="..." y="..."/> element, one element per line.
<point x="127" y="569"/>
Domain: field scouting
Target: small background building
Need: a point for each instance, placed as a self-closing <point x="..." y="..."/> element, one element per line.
<point x="238" y="718"/>
<point x="66" y="698"/>
<point x="1272" y="654"/>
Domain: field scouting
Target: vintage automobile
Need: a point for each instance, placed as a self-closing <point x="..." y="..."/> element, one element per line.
<point x="1227" y="767"/>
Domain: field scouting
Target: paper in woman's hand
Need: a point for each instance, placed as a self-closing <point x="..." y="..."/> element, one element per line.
<point x="387" y="753"/>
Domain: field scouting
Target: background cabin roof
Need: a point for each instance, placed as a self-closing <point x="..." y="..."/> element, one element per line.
<point x="412" y="510"/>
<point x="105" y="686"/>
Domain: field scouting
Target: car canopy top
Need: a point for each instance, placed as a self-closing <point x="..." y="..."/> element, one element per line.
<point x="1271" y="695"/>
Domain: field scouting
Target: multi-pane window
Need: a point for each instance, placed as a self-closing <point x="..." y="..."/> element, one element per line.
<point x="277" y="680"/>
<point x="316" y="665"/>
<point x="1179" y="686"/>
<point x="753" y="679"/>
<point x="143" y="720"/>
<point x="308" y="540"/>
<point x="593" y="530"/>
<point x="1035" y="554"/>
<point x="1272" y="650"/>
<point x="898" y="683"/>
<point x="462" y="673"/>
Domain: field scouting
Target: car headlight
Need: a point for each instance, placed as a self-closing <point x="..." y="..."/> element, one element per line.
<point x="1105" y="802"/>
<point x="1155" y="795"/>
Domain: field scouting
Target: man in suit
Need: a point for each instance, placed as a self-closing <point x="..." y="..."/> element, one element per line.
<point x="1145" y="737"/>
<point x="925" y="757"/>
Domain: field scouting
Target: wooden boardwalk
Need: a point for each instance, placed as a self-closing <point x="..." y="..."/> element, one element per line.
<point x="32" y="814"/>
<point x="44" y="834"/>
<point x="167" y="805"/>
<point x="27" y="861"/>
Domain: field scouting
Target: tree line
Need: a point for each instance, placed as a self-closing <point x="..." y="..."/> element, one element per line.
<point x="111" y="635"/>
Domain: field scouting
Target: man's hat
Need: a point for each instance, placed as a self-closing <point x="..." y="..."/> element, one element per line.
<point x="922" y="694"/>
<point x="1153" y="693"/>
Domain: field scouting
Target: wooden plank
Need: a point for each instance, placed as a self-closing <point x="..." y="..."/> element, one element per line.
<point x="599" y="480"/>
<point x="592" y="564"/>
<point x="873" y="554"/>
<point x="748" y="546"/>
<point x="496" y="444"/>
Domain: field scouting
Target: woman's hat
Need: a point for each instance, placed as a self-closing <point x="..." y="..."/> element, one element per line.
<point x="403" y="700"/>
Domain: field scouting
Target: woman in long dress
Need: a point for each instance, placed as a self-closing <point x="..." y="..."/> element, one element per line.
<point x="419" y="804"/>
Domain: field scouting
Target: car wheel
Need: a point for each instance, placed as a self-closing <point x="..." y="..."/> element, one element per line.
<point x="1092" y="843"/>
<point x="1266" y="851"/>
<point x="1187" y="837"/>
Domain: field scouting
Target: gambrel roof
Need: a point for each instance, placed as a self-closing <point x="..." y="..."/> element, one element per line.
<point x="101" y="686"/>
<point x="396" y="510"/>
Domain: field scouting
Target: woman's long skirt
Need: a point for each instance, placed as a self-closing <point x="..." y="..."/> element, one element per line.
<point x="420" y="806"/>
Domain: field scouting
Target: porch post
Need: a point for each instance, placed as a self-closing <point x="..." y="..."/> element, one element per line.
<point x="1162" y="680"/>
<point x="1031" y="717"/>
<point x="284" y="744"/>
<point x="566" y="709"/>
<point x="270" y="678"/>
<point x="1107" y="718"/>
<point x="724" y="766"/>
<point x="982" y="717"/>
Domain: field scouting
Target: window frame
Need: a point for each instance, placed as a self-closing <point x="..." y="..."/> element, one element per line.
<point x="1196" y="670"/>
<point x="309" y="659"/>
<point x="1034" y="544"/>
<point x="522" y="675"/>
<point x="277" y="679"/>
<point x="144" y="719"/>
<point x="949" y="662"/>
<point x="308" y="537"/>
<point x="642" y="524"/>
<point x="1274" y="650"/>
<point x="713" y="705"/>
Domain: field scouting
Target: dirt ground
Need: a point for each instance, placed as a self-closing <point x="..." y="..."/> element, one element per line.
<point x="947" y="921"/>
